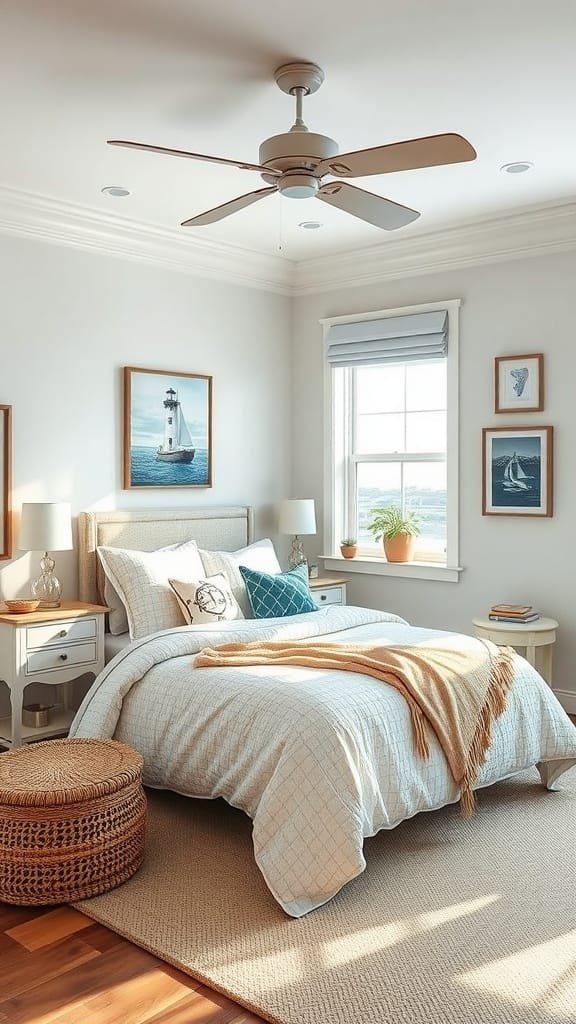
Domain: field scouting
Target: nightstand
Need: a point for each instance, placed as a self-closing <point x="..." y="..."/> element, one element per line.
<point x="56" y="647"/>
<point x="329" y="589"/>
<point x="537" y="637"/>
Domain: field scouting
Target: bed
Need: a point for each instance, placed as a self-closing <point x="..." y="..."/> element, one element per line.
<point x="319" y="760"/>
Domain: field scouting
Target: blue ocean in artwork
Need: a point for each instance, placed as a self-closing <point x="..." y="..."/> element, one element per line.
<point x="148" y="471"/>
<point x="516" y="473"/>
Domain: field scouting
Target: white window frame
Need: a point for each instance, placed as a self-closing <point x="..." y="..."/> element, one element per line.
<point x="338" y="427"/>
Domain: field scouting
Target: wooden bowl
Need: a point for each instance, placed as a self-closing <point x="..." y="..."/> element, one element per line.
<point x="21" y="607"/>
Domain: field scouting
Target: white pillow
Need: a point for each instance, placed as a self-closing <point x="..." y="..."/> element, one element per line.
<point x="206" y="600"/>
<point x="260" y="556"/>
<point x="117" y="618"/>
<point x="141" y="580"/>
<point x="117" y="621"/>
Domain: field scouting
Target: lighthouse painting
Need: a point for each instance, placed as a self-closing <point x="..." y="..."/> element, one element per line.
<point x="167" y="429"/>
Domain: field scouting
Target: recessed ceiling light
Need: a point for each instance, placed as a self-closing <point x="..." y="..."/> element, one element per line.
<point x="519" y="167"/>
<point x="310" y="225"/>
<point x="117" y="191"/>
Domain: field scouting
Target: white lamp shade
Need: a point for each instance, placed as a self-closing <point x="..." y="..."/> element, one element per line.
<point x="45" y="526"/>
<point x="297" y="516"/>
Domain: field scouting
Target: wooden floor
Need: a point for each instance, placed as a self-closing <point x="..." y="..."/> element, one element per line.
<point x="59" y="967"/>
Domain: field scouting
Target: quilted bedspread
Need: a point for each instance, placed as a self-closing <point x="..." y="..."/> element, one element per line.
<point x="319" y="759"/>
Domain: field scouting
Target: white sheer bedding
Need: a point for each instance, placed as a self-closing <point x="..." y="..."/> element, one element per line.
<point x="318" y="760"/>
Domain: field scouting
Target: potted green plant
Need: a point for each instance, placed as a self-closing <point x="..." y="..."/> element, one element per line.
<point x="397" y="529"/>
<point x="349" y="547"/>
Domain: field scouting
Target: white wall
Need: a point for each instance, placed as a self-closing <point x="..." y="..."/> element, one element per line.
<point x="70" y="320"/>
<point x="516" y="307"/>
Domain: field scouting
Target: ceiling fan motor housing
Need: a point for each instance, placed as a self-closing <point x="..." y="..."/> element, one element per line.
<point x="294" y="151"/>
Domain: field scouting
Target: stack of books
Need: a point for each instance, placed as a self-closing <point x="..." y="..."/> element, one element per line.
<point x="513" y="613"/>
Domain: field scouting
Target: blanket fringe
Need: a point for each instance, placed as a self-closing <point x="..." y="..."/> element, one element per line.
<point x="501" y="676"/>
<point x="419" y="730"/>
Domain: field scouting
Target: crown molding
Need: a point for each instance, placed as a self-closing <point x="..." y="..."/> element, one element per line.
<point x="56" y="220"/>
<point x="533" y="231"/>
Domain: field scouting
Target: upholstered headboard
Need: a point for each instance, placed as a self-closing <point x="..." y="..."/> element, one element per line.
<point x="221" y="529"/>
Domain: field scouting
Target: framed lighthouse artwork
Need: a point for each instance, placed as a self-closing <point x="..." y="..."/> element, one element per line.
<point x="517" y="468"/>
<point x="167" y="428"/>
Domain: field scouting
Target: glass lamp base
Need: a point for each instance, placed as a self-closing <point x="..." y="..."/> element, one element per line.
<point x="47" y="588"/>
<point x="296" y="556"/>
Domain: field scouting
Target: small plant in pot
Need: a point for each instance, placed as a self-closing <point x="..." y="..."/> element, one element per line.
<point x="349" y="547"/>
<point x="398" y="531"/>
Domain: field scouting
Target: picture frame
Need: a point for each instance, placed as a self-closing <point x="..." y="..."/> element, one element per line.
<point x="5" y="481"/>
<point x="517" y="471"/>
<point x="167" y="429"/>
<point x="519" y="383"/>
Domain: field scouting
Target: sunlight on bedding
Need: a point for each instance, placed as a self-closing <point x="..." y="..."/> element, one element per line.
<point x="542" y="976"/>
<point x="360" y="944"/>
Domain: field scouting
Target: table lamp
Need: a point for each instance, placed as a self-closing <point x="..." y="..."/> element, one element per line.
<point x="46" y="526"/>
<point x="297" y="516"/>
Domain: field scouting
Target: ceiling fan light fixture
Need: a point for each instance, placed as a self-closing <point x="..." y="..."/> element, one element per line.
<point x="298" y="186"/>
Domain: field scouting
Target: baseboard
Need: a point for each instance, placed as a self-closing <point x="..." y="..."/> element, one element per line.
<point x="567" y="699"/>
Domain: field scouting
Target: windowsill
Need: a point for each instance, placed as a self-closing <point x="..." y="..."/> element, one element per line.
<point x="406" y="570"/>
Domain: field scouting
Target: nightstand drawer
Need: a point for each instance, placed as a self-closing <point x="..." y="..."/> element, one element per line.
<point x="60" y="658"/>
<point x="331" y="595"/>
<point x="60" y="633"/>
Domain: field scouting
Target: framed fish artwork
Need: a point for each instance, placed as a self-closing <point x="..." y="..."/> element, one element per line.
<point x="517" y="471"/>
<point x="167" y="428"/>
<point x="519" y="383"/>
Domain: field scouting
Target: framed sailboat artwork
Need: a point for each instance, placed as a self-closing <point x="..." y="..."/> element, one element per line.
<point x="517" y="471"/>
<point x="167" y="428"/>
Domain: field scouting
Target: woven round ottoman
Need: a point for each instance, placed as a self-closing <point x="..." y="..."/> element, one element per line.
<point x="72" y="819"/>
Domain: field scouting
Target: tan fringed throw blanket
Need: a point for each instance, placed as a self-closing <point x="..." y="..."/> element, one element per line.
<point x="457" y="692"/>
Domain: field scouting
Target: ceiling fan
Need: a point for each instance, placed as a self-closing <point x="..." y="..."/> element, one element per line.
<point x="295" y="162"/>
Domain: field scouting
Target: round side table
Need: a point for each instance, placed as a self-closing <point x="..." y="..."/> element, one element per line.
<point x="537" y="637"/>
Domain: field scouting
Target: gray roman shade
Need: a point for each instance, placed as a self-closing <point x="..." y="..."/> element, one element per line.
<point x="392" y="339"/>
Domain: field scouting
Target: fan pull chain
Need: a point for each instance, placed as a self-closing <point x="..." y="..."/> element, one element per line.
<point x="281" y="225"/>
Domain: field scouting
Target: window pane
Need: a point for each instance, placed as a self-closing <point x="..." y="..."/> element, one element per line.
<point x="380" y="388"/>
<point x="377" y="484"/>
<point x="425" y="492"/>
<point x="426" y="385"/>
<point x="380" y="433"/>
<point x="426" y="432"/>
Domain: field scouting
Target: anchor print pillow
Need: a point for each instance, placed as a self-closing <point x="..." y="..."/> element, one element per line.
<point x="206" y="600"/>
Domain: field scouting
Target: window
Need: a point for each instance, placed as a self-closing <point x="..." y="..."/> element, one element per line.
<point x="392" y="388"/>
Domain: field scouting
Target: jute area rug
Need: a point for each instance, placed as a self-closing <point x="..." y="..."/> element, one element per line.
<point x="468" y="921"/>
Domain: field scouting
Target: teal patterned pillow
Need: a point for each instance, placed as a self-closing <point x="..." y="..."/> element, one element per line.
<point x="284" y="593"/>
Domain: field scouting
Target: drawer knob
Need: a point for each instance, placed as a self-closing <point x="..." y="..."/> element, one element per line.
<point x="63" y="657"/>
<point x="62" y="632"/>
<point x="322" y="597"/>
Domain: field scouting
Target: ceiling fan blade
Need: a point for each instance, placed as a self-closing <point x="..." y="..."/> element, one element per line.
<point x="383" y="213"/>
<point x="431" y="151"/>
<point x="195" y="156"/>
<point x="219" y="212"/>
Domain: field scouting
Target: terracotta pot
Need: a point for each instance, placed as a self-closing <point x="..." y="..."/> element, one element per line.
<point x="399" y="548"/>
<point x="348" y="550"/>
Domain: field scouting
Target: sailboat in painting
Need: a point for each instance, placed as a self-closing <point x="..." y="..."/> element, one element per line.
<point x="178" y="445"/>
<point x="515" y="479"/>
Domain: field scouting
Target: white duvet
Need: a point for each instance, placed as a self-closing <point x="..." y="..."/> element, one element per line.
<point x="319" y="760"/>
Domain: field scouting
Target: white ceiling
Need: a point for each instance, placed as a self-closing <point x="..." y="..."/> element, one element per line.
<point x="198" y="74"/>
